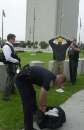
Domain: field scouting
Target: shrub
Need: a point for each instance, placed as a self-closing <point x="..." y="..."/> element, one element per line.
<point x="43" y="45"/>
<point x="39" y="52"/>
<point x="29" y="44"/>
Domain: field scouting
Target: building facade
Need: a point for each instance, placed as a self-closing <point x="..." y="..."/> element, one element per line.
<point x="46" y="19"/>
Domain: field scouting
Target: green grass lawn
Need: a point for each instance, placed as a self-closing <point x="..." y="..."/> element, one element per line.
<point x="27" y="57"/>
<point x="82" y="53"/>
<point x="11" y="115"/>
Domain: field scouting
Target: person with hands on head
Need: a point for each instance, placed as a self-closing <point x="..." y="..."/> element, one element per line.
<point x="59" y="46"/>
<point x="59" y="53"/>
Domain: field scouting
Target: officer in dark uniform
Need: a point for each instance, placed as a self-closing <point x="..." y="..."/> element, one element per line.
<point x="25" y="81"/>
<point x="73" y="54"/>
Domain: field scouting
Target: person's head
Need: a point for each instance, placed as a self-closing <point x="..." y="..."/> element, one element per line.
<point x="11" y="38"/>
<point x="59" y="40"/>
<point x="60" y="79"/>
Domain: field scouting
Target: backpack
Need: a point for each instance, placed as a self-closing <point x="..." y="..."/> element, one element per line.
<point x="53" y="118"/>
<point x="2" y="57"/>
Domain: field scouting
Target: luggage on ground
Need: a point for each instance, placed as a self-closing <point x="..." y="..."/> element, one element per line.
<point x="53" y="118"/>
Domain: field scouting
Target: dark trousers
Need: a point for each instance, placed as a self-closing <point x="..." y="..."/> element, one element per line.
<point x="9" y="87"/>
<point x="28" y="97"/>
<point x="73" y="70"/>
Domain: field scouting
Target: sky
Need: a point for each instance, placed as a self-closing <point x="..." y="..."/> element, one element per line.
<point x="15" y="20"/>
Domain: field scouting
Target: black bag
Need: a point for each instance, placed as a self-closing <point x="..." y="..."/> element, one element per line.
<point x="14" y="55"/>
<point x="50" y="121"/>
<point x="2" y="57"/>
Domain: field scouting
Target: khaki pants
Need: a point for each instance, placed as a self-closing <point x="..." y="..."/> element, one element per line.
<point x="58" y="67"/>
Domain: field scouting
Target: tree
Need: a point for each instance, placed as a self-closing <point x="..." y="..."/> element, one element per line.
<point x="22" y="44"/>
<point x="29" y="44"/>
<point x="43" y="45"/>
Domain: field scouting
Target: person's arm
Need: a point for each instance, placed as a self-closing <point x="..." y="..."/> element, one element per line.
<point x="68" y="42"/>
<point x="74" y="47"/>
<point x="53" y="39"/>
<point x="42" y="99"/>
<point x="51" y="42"/>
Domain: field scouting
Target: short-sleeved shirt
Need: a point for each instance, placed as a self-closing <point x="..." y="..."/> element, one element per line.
<point x="41" y="76"/>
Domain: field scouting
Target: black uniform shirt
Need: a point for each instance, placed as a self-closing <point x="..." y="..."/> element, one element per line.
<point x="73" y="54"/>
<point x="41" y="76"/>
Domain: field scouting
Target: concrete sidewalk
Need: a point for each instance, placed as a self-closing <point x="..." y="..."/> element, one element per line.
<point x="74" y="109"/>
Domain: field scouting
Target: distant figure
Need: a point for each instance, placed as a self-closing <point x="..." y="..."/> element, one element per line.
<point x="11" y="62"/>
<point x="25" y="81"/>
<point x="73" y="53"/>
<point x="59" y="53"/>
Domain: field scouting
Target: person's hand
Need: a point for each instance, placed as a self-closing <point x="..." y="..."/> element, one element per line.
<point x="16" y="56"/>
<point x="72" y="46"/>
<point x="42" y="108"/>
<point x="17" y="63"/>
<point x="18" y="59"/>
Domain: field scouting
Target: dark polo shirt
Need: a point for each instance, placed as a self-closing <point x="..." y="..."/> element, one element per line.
<point x="59" y="51"/>
<point x="41" y="76"/>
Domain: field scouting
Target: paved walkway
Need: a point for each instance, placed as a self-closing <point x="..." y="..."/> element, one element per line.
<point x="74" y="109"/>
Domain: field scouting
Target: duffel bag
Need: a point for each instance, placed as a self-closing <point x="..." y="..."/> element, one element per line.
<point x="53" y="118"/>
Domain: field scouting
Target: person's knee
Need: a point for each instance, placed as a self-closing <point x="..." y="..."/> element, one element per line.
<point x="60" y="79"/>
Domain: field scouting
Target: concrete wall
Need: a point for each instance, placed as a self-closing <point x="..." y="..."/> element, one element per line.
<point x="80" y="69"/>
<point x="3" y="73"/>
<point x="3" y="76"/>
<point x="52" y="17"/>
